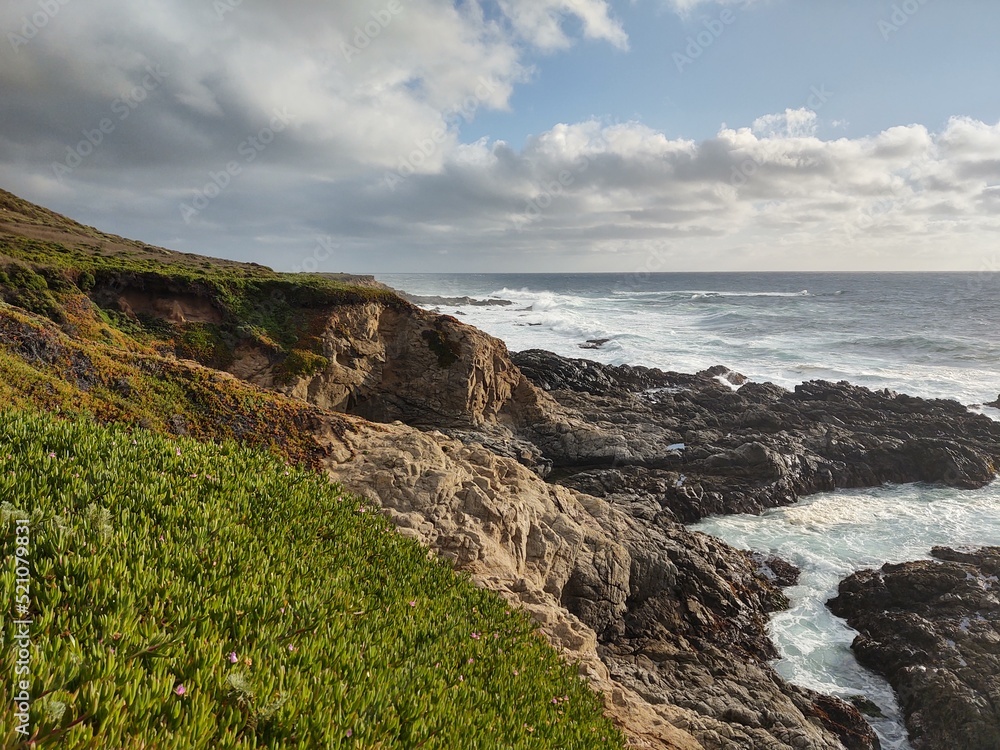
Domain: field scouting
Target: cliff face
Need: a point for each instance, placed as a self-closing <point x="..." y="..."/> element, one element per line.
<point x="399" y="363"/>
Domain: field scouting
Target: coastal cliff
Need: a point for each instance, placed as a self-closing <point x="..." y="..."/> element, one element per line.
<point x="562" y="485"/>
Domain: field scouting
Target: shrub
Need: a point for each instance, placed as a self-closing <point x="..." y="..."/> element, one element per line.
<point x="301" y="363"/>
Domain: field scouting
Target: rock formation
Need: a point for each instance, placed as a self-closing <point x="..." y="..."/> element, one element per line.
<point x="933" y="629"/>
<point x="697" y="447"/>
<point x="670" y="625"/>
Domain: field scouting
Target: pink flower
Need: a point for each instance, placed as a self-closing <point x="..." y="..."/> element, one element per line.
<point x="349" y="732"/>
<point x="475" y="636"/>
<point x="292" y="648"/>
<point x="233" y="658"/>
<point x="413" y="603"/>
<point x="180" y="690"/>
<point x="52" y="455"/>
<point x="178" y="451"/>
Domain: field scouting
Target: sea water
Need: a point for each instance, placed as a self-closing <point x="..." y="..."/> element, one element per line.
<point x="931" y="335"/>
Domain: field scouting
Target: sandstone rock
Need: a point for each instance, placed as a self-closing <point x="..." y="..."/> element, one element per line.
<point x="390" y="362"/>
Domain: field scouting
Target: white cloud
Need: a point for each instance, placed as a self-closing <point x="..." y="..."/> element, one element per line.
<point x="684" y="7"/>
<point x="792" y="123"/>
<point x="541" y="21"/>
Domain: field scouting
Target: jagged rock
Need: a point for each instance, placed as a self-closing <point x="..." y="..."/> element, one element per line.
<point x="389" y="362"/>
<point x="933" y="629"/>
<point x="696" y="447"/>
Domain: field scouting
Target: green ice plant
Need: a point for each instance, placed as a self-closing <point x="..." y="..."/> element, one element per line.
<point x="198" y="595"/>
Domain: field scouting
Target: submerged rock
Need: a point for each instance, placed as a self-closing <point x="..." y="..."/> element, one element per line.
<point x="932" y="627"/>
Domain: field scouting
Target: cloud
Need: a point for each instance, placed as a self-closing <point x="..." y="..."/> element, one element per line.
<point x="792" y="123"/>
<point x="283" y="124"/>
<point x="685" y="7"/>
<point x="541" y="21"/>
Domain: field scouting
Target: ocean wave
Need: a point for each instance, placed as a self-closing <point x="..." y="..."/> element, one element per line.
<point x="542" y="299"/>
<point x="924" y="347"/>
<point x="724" y="295"/>
<point x="712" y="293"/>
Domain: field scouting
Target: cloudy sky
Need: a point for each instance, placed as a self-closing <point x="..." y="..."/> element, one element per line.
<point x="515" y="135"/>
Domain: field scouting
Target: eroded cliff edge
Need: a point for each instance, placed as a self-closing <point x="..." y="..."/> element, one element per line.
<point x="670" y="625"/>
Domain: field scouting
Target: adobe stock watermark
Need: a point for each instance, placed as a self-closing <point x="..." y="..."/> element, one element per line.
<point x="745" y="170"/>
<point x="426" y="148"/>
<point x="370" y="30"/>
<point x="900" y="16"/>
<point x="873" y="213"/>
<point x="698" y="43"/>
<point x="22" y="627"/>
<point x="988" y="275"/>
<point x="250" y="148"/>
<point x="322" y="251"/>
<point x="123" y="107"/>
<point x="32" y="25"/>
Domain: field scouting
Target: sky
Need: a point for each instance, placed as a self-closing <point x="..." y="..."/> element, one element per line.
<point x="515" y="135"/>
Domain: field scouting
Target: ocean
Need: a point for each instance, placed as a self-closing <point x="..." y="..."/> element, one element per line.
<point x="931" y="335"/>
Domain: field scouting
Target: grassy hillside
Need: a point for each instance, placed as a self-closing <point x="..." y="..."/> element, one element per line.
<point x="193" y="595"/>
<point x="214" y="590"/>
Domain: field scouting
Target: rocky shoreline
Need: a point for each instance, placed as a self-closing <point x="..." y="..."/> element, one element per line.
<point x="565" y="486"/>
<point x="932" y="628"/>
